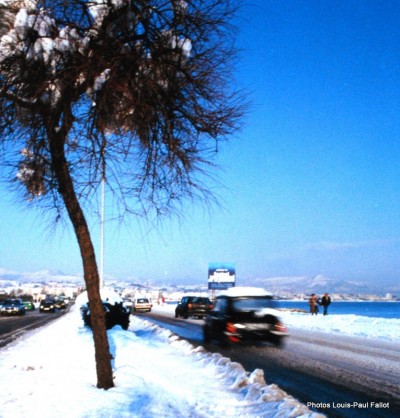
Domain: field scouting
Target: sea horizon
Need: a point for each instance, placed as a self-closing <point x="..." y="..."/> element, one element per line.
<point x="372" y="309"/>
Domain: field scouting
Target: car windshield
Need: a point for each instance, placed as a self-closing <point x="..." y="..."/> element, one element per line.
<point x="200" y="300"/>
<point x="9" y="302"/>
<point x="142" y="301"/>
<point x="253" y="303"/>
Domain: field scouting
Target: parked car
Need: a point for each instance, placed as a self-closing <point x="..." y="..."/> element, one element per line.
<point x="47" y="305"/>
<point x="244" y="315"/>
<point x="12" y="307"/>
<point x="116" y="314"/>
<point x="29" y="305"/>
<point x="193" y="306"/>
<point x="142" y="305"/>
<point x="115" y="310"/>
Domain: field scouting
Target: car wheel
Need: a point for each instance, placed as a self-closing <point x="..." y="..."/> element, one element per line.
<point x="124" y="324"/>
<point x="278" y="342"/>
<point x="185" y="315"/>
<point x="206" y="335"/>
<point x="224" y="342"/>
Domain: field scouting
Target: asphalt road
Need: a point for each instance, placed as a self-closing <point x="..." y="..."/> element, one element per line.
<point x="339" y="376"/>
<point x="13" y="327"/>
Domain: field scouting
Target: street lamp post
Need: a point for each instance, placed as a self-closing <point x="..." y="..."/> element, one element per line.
<point x="102" y="215"/>
<point x="102" y="212"/>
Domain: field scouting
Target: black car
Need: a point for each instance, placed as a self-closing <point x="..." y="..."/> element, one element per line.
<point x="193" y="306"/>
<point x="47" y="305"/>
<point x="12" y="307"/>
<point x="60" y="303"/>
<point x="244" y="315"/>
<point x="116" y="314"/>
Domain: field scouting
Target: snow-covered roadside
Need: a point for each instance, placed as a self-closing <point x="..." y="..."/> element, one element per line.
<point x="354" y="325"/>
<point x="51" y="372"/>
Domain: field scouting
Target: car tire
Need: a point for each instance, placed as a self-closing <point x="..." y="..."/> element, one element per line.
<point x="278" y="342"/>
<point x="224" y="342"/>
<point x="206" y="335"/>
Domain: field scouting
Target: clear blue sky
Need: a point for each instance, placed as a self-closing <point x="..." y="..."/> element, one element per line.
<point x="313" y="179"/>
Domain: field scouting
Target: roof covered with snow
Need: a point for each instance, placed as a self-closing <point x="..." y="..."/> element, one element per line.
<point x="107" y="295"/>
<point x="244" y="291"/>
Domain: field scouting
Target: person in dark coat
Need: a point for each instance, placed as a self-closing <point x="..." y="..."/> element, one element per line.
<point x="313" y="302"/>
<point x="325" y="302"/>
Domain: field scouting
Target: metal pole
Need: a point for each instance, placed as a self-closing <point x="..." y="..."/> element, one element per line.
<point x="102" y="232"/>
<point x="102" y="216"/>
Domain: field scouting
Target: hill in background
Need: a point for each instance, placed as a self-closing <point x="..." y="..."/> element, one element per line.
<point x="277" y="285"/>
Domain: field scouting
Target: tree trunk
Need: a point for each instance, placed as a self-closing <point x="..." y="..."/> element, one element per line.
<point x="91" y="274"/>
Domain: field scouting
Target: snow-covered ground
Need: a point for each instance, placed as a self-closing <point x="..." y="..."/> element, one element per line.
<point x="355" y="325"/>
<point x="51" y="372"/>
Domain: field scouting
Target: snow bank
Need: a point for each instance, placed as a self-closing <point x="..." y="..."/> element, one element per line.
<point x="52" y="373"/>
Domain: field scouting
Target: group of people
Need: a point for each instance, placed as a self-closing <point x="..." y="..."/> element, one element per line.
<point x="314" y="301"/>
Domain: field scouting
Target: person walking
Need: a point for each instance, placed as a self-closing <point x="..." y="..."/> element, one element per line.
<point x="313" y="302"/>
<point x="325" y="302"/>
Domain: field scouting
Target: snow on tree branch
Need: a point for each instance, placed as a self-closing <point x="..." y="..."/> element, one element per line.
<point x="146" y="78"/>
